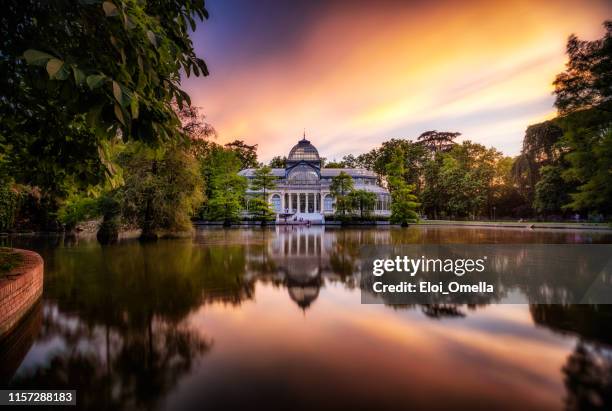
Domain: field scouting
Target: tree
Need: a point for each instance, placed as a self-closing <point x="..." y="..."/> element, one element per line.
<point x="335" y="164"/>
<point x="438" y="140"/>
<point x="264" y="181"/>
<point x="414" y="156"/>
<point x="74" y="75"/>
<point x="246" y="154"/>
<point x="226" y="189"/>
<point x="590" y="162"/>
<point x="341" y="186"/>
<point x="364" y="201"/>
<point x="350" y="161"/>
<point x="162" y="189"/>
<point x="551" y="191"/>
<point x="403" y="201"/>
<point x="77" y="208"/>
<point x="587" y="81"/>
<point x="278" y="162"/>
<point x="540" y="149"/>
<point x="583" y="97"/>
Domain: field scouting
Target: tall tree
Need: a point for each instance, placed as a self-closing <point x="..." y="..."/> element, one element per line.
<point x="226" y="189"/>
<point x="540" y="149"/>
<point x="162" y="189"/>
<point x="74" y="75"/>
<point x="584" y="99"/>
<point x="364" y="201"/>
<point x="404" y="202"/>
<point x="263" y="181"/>
<point x="278" y="162"/>
<point x="247" y="154"/>
<point x="438" y="140"/>
<point x="587" y="81"/>
<point x="341" y="186"/>
<point x="551" y="191"/>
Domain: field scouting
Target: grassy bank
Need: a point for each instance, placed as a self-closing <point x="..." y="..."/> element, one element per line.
<point x="8" y="260"/>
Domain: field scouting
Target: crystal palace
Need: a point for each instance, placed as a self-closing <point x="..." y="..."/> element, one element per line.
<point x="302" y="192"/>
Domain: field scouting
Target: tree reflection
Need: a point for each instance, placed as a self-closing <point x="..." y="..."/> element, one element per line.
<point x="114" y="368"/>
<point x="588" y="369"/>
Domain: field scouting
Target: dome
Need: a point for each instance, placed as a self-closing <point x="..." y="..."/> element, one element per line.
<point x="303" y="150"/>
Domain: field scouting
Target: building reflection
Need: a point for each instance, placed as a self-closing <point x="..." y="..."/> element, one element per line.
<point x="305" y="259"/>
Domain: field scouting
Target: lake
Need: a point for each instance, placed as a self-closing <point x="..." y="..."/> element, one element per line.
<point x="272" y="318"/>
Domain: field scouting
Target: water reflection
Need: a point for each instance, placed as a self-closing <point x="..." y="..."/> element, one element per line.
<point x="252" y="318"/>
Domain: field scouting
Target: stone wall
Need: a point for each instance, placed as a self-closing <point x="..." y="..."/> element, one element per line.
<point x="20" y="289"/>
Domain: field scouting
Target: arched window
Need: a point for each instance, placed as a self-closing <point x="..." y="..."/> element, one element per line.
<point x="276" y="203"/>
<point x="303" y="174"/>
<point x="328" y="203"/>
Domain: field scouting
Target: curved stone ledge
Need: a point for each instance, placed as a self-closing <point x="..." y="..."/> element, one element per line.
<point x="20" y="289"/>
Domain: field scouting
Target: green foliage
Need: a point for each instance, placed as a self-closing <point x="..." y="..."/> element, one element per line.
<point x="75" y="75"/>
<point x="261" y="209"/>
<point x="110" y="208"/>
<point x="128" y="75"/>
<point x="540" y="149"/>
<point x="9" y="202"/>
<point x="225" y="188"/>
<point x="263" y="181"/>
<point x="278" y="162"/>
<point x="341" y="186"/>
<point x="364" y="201"/>
<point x="162" y="189"/>
<point x="404" y="202"/>
<point x="587" y="81"/>
<point x="580" y="161"/>
<point x="8" y="260"/>
<point x="415" y="156"/>
<point x="550" y="191"/>
<point x="462" y="181"/>
<point x="77" y="208"/>
<point x="590" y="161"/>
<point x="246" y="154"/>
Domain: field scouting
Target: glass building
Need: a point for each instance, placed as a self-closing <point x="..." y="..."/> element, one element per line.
<point x="302" y="190"/>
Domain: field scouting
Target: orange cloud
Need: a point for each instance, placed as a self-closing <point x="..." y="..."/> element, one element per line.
<point x="360" y="75"/>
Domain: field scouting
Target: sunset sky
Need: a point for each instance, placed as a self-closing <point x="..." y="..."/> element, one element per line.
<point x="356" y="73"/>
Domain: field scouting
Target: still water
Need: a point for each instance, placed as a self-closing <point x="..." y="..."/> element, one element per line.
<point x="271" y="318"/>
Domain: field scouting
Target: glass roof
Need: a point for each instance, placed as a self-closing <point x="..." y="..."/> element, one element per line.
<point x="303" y="150"/>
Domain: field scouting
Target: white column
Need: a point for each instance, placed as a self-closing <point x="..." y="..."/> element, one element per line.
<point x="306" y="207"/>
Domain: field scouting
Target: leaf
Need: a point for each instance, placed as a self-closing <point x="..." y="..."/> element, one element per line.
<point x="54" y="66"/>
<point x="119" y="114"/>
<point x="110" y="9"/>
<point x="95" y="80"/>
<point x="134" y="107"/>
<point x="93" y="116"/>
<point x="36" y="58"/>
<point x="117" y="92"/>
<point x="152" y="38"/>
<point x="79" y="76"/>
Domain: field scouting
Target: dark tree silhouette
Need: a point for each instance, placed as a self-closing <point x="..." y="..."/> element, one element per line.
<point x="587" y="81"/>
<point x="438" y="140"/>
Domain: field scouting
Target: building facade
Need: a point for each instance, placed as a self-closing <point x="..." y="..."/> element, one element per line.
<point x="302" y="190"/>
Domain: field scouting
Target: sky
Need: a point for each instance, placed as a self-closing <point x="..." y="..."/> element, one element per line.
<point x="353" y="74"/>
